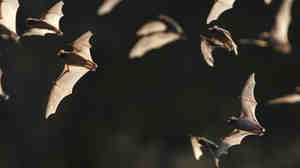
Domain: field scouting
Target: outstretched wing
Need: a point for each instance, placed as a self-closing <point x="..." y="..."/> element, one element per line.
<point x="218" y="8"/>
<point x="151" y="27"/>
<point x="82" y="45"/>
<point x="206" y="50"/>
<point x="107" y="6"/>
<point x="153" y="41"/>
<point x="8" y="13"/>
<point x="54" y="14"/>
<point x="63" y="87"/>
<point x="248" y="101"/>
<point x="291" y="98"/>
<point x="172" y="22"/>
<point x="234" y="138"/>
<point x="196" y="147"/>
<point x="280" y="28"/>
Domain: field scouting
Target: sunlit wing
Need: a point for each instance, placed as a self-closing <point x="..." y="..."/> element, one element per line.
<point x="291" y="98"/>
<point x="206" y="50"/>
<point x="63" y="87"/>
<point x="218" y="8"/>
<point x="107" y="6"/>
<point x="54" y="14"/>
<point x="196" y="147"/>
<point x="82" y="45"/>
<point x="8" y="11"/>
<point x="151" y="27"/>
<point x="153" y="41"/>
<point x="235" y="138"/>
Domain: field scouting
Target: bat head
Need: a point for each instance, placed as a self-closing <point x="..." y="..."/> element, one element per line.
<point x="232" y="120"/>
<point x="60" y="52"/>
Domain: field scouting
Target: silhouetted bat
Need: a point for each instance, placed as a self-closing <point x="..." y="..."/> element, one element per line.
<point x="3" y="95"/>
<point x="278" y="36"/>
<point x="156" y="34"/>
<point x="290" y="98"/>
<point x="247" y="120"/>
<point x="8" y="12"/>
<point x="77" y="63"/>
<point x="218" y="8"/>
<point x="48" y="23"/>
<point x="202" y="145"/>
<point x="107" y="6"/>
<point x="217" y="37"/>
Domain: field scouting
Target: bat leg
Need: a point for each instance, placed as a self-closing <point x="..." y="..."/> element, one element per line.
<point x="67" y="69"/>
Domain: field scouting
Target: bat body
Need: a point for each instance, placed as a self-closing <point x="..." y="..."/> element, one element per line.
<point x="277" y="38"/>
<point x="156" y="34"/>
<point x="47" y="24"/>
<point x="202" y="145"/>
<point x="3" y="95"/>
<point x="107" y="6"/>
<point x="247" y="120"/>
<point x="218" y="8"/>
<point x="217" y="37"/>
<point x="77" y="63"/>
<point x="8" y="12"/>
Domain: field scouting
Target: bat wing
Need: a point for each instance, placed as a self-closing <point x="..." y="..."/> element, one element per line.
<point x="218" y="8"/>
<point x="291" y="98"/>
<point x="206" y="50"/>
<point x="200" y="143"/>
<point x="63" y="87"/>
<point x="172" y="22"/>
<point x="248" y="101"/>
<point x="257" y="42"/>
<point x="235" y="138"/>
<point x="8" y="13"/>
<point x="107" y="6"/>
<point x="196" y="147"/>
<point x="268" y="2"/>
<point x="153" y="41"/>
<point x="279" y="31"/>
<point x="54" y="14"/>
<point x="151" y="27"/>
<point x="82" y="45"/>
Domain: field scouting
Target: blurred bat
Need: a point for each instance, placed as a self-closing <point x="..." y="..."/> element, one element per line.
<point x="202" y="145"/>
<point x="48" y="23"/>
<point x="77" y="63"/>
<point x="217" y="37"/>
<point x="218" y="8"/>
<point x="156" y="34"/>
<point x="8" y="13"/>
<point x="268" y="2"/>
<point x="278" y="36"/>
<point x="3" y="95"/>
<point x="247" y="120"/>
<point x="107" y="6"/>
<point x="290" y="98"/>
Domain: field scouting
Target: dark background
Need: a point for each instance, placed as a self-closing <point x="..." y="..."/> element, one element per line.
<point x="138" y="113"/>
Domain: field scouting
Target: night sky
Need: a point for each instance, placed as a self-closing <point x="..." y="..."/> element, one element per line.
<point x="139" y="113"/>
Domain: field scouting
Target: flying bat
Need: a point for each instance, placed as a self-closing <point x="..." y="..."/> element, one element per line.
<point x="202" y="145"/>
<point x="47" y="24"/>
<point x="8" y="12"/>
<point x="277" y="38"/>
<point x="156" y="34"/>
<point x="247" y="120"/>
<point x="107" y="6"/>
<point x="3" y="95"/>
<point x="77" y="63"/>
<point x="218" y="8"/>
<point x="216" y="37"/>
<point x="290" y="98"/>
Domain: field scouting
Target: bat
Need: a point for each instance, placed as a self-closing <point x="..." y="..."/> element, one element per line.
<point x="247" y="120"/>
<point x="202" y="145"/>
<point x="268" y="2"/>
<point x="277" y="38"/>
<point x="48" y="23"/>
<point x="154" y="41"/>
<point x="8" y="13"/>
<point x="218" y="8"/>
<point x="156" y="34"/>
<point x="77" y="63"/>
<point x="289" y="98"/>
<point x="3" y="95"/>
<point x="216" y="37"/>
<point x="107" y="6"/>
